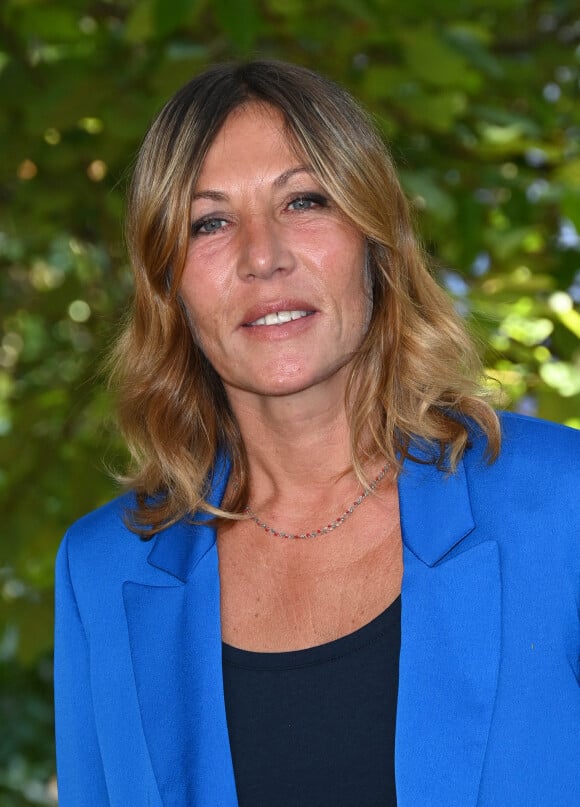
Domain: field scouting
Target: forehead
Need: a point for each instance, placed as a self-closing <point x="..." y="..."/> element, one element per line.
<point x="253" y="139"/>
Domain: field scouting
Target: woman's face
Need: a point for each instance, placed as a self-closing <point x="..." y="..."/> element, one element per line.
<point x="274" y="281"/>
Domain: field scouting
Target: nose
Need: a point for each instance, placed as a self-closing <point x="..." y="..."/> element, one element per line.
<point x="264" y="250"/>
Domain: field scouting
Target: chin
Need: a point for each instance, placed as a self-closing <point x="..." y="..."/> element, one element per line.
<point x="276" y="385"/>
<point x="296" y="384"/>
<point x="285" y="386"/>
<point x="290" y="378"/>
<point x="284" y="379"/>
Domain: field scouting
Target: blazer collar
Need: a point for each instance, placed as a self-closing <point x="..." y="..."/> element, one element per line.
<point x="435" y="509"/>
<point x="178" y="549"/>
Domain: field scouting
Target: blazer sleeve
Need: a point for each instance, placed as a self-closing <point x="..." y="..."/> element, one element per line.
<point x="80" y="773"/>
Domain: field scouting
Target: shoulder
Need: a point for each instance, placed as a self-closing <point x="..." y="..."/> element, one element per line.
<point x="538" y="468"/>
<point x="101" y="541"/>
<point x="528" y="441"/>
<point x="521" y="432"/>
<point x="106" y="524"/>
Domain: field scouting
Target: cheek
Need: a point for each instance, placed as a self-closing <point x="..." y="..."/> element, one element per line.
<point x="196" y="299"/>
<point x="205" y="334"/>
<point x="358" y="286"/>
<point x="191" y="321"/>
<point x="198" y="319"/>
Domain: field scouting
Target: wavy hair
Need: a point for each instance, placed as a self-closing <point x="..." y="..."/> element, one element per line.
<point x="416" y="377"/>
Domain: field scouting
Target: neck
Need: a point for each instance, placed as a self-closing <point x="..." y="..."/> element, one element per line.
<point x="286" y="440"/>
<point x="297" y="446"/>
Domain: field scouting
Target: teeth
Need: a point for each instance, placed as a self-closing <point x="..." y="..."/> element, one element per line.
<point x="282" y="316"/>
<point x="279" y="317"/>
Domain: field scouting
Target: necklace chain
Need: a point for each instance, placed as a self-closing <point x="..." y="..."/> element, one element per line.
<point x="333" y="525"/>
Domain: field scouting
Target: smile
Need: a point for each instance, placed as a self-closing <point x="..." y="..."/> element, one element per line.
<point x="279" y="318"/>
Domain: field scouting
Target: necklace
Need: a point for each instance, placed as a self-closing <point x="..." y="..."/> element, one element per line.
<point x="333" y="525"/>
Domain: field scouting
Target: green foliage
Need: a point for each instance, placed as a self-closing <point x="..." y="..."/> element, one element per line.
<point x="479" y="101"/>
<point x="27" y="747"/>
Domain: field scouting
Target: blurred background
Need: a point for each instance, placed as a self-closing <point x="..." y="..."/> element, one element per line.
<point x="479" y="100"/>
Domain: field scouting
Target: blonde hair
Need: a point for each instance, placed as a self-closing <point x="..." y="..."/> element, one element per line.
<point x="416" y="378"/>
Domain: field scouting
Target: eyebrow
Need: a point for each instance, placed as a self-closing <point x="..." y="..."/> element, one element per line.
<point x="220" y="196"/>
<point x="283" y="178"/>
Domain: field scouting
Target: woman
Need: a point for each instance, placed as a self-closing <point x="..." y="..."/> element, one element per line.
<point x="322" y="533"/>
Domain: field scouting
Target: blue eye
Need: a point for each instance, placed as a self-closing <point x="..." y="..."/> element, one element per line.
<point x="308" y="201"/>
<point x="207" y="226"/>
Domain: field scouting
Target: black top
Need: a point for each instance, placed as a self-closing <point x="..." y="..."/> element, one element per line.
<point x="316" y="727"/>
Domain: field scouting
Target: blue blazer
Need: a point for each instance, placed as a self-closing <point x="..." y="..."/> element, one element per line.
<point x="489" y="698"/>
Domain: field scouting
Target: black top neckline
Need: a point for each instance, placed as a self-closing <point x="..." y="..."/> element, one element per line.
<point x="389" y="619"/>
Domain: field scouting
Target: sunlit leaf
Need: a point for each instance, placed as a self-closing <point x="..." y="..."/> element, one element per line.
<point x="562" y="376"/>
<point x="528" y="331"/>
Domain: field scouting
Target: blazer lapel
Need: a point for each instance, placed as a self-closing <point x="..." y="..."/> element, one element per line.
<point x="450" y="647"/>
<point x="175" y="641"/>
